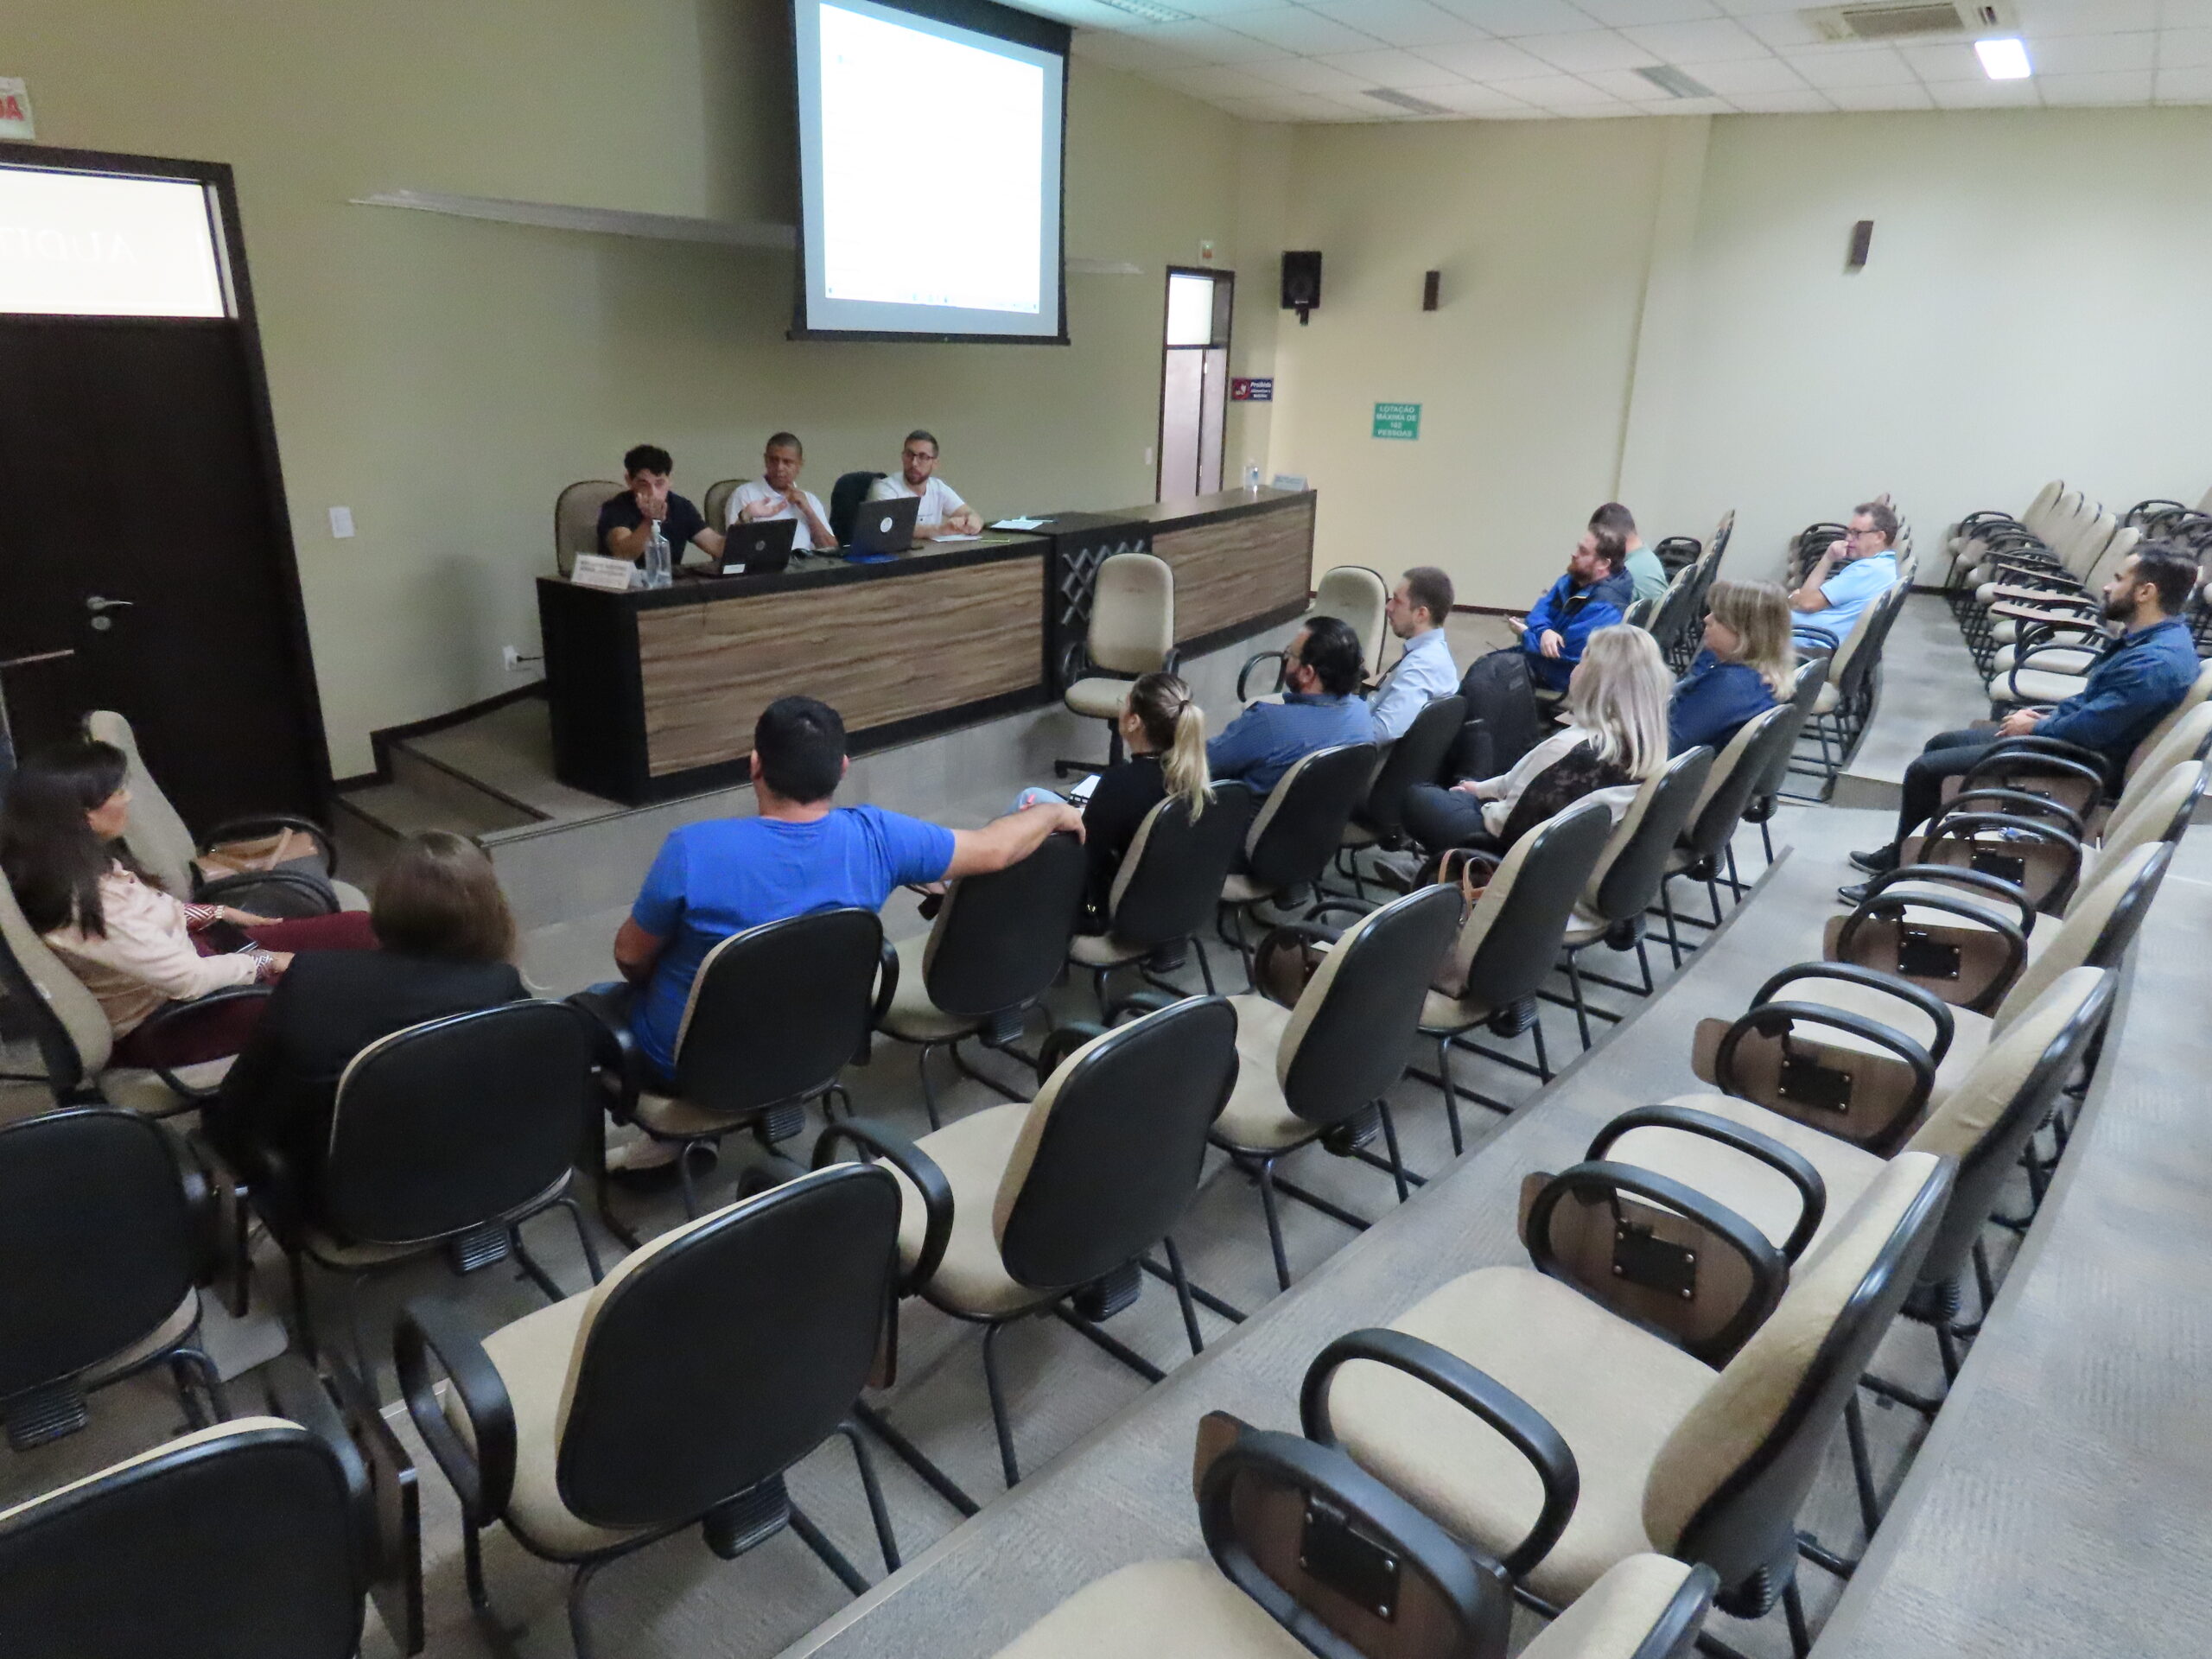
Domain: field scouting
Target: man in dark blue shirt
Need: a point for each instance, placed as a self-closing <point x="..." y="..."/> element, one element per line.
<point x="626" y="521"/>
<point x="2135" y="684"/>
<point x="1319" y="709"/>
<point x="1595" y="593"/>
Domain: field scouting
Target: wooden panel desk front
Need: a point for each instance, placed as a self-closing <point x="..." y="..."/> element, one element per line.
<point x="654" y="694"/>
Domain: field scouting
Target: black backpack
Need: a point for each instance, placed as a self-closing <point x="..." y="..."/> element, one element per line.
<point x="1503" y="724"/>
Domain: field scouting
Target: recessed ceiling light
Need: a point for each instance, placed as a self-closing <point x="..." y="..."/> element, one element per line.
<point x="1406" y="101"/>
<point x="1673" y="82"/>
<point x="2003" y="58"/>
<point x="1148" y="11"/>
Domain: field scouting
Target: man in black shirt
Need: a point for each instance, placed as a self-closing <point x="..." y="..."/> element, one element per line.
<point x="624" y="523"/>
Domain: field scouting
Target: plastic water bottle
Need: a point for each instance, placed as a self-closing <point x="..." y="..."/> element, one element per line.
<point x="659" y="571"/>
<point x="1251" y="477"/>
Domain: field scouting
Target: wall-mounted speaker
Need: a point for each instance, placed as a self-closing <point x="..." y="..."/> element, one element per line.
<point x="1862" y="240"/>
<point x="1302" y="283"/>
<point x="1431" y="289"/>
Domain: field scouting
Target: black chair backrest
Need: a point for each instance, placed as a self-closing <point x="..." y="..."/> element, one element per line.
<point x="778" y="1010"/>
<point x="845" y="498"/>
<point x="1303" y="819"/>
<point x="1632" y="881"/>
<point x="1171" y="877"/>
<point x="1501" y="701"/>
<point x="725" y="1351"/>
<point x="240" y="1541"/>
<point x="1122" y="1146"/>
<point x="444" y="1126"/>
<point x="1812" y="675"/>
<point x="1001" y="939"/>
<point x="1728" y="795"/>
<point x="97" y="1241"/>
<point x="1516" y="953"/>
<point x="1416" y="758"/>
<point x="1353" y="1028"/>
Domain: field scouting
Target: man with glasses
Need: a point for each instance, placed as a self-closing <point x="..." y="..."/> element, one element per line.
<point x="942" y="512"/>
<point x="1851" y="575"/>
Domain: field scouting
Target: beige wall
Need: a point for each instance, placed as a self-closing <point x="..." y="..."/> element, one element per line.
<point x="444" y="378"/>
<point x="1659" y="307"/>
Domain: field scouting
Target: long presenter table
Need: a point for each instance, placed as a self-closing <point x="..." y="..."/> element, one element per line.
<point x="654" y="694"/>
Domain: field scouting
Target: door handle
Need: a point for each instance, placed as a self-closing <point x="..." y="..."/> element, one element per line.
<point x="96" y="604"/>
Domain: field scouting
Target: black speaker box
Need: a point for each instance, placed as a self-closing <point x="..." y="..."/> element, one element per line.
<point x="1301" y="282"/>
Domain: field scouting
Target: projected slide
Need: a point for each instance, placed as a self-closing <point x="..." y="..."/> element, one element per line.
<point x="930" y="163"/>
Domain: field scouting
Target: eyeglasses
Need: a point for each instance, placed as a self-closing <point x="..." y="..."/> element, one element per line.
<point x="917" y="455"/>
<point x="1869" y="530"/>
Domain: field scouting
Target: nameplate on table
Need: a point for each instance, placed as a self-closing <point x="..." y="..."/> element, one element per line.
<point x="613" y="575"/>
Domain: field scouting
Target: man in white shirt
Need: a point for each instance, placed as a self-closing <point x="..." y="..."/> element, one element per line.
<point x="942" y="512"/>
<point x="1416" y="612"/>
<point x="776" y="494"/>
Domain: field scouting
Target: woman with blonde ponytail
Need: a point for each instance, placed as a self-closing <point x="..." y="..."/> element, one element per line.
<point x="1164" y="734"/>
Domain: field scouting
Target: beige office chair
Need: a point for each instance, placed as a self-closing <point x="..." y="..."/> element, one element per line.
<point x="575" y="520"/>
<point x="1358" y="595"/>
<point x="1132" y="633"/>
<point x="715" y="503"/>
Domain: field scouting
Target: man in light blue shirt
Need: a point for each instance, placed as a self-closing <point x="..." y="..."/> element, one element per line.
<point x="1320" y="707"/>
<point x="1851" y="575"/>
<point x="1426" y="672"/>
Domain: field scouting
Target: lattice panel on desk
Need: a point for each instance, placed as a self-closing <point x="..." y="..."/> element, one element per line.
<point x="1076" y="576"/>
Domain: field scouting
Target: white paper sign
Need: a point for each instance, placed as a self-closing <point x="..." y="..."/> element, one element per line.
<point x="612" y="575"/>
<point x="16" y="110"/>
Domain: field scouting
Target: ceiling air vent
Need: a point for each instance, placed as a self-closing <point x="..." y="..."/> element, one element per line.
<point x="1917" y="20"/>
<point x="1405" y="101"/>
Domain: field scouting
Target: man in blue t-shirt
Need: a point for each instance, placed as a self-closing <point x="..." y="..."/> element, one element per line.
<point x="1848" y="577"/>
<point x="801" y="854"/>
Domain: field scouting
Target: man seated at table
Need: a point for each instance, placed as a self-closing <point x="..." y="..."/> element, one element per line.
<point x="803" y="853"/>
<point x="1846" y="578"/>
<point x="1320" y="707"/>
<point x="1416" y="614"/>
<point x="2136" y="681"/>
<point x="626" y="521"/>
<point x="1594" y="593"/>
<point x="1645" y="573"/>
<point x="942" y="511"/>
<point x="776" y="494"/>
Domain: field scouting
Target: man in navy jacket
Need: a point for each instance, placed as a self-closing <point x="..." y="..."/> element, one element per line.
<point x="2137" y="680"/>
<point x="1594" y="593"/>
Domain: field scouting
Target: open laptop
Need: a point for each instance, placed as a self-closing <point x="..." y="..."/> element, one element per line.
<point x="757" y="550"/>
<point x="883" y="528"/>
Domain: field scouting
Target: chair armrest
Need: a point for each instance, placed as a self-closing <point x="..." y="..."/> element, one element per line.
<point x="869" y="1136"/>
<point x="430" y="1331"/>
<point x="1253" y="662"/>
<point x="170" y="1013"/>
<point x="2031" y="743"/>
<point x="1938" y="1011"/>
<point x="886" y="984"/>
<point x="1965" y="826"/>
<point x="1525" y="1428"/>
<point x="1063" y="1041"/>
<point x="1812" y="1192"/>
<point x="239" y="889"/>
<point x="297" y="1394"/>
<point x="1955" y="875"/>
<point x="1267" y="965"/>
<point x="197" y="1175"/>
<point x="261" y="823"/>
<point x="1769" y="1269"/>
<point x="1140" y="1002"/>
<point x="2027" y="803"/>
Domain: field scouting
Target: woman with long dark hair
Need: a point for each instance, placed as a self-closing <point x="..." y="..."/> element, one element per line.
<point x="135" y="946"/>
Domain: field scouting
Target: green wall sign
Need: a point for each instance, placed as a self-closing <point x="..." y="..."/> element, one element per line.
<point x="1397" y="421"/>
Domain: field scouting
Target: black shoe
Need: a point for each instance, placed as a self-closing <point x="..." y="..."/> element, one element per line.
<point x="1880" y="862"/>
<point x="1852" y="895"/>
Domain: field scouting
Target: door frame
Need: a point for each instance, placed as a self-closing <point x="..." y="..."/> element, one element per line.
<point x="1226" y="348"/>
<point x="231" y="246"/>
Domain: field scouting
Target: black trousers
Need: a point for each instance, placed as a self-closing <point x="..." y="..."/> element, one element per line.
<point x="1946" y="755"/>
<point x="1437" y="819"/>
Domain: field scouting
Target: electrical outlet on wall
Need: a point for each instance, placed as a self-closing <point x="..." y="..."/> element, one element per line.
<point x="341" y="523"/>
<point x="1147" y="454"/>
<point x="509" y="659"/>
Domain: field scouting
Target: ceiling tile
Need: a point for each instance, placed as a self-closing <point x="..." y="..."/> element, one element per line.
<point x="1586" y="50"/>
<point x="1400" y="69"/>
<point x="2185" y="48"/>
<point x="1716" y="41"/>
<point x="1952" y="61"/>
<point x="1688" y="106"/>
<point x="1207" y="43"/>
<point x="1555" y="92"/>
<point x="1768" y="74"/>
<point x="1486" y="59"/>
<point x="1614" y="111"/>
<point x="1204" y="9"/>
<point x="1851" y="66"/>
<point x="2186" y="14"/>
<point x="1628" y="14"/>
<point x="1909" y="96"/>
<point x="2185" y="85"/>
<point x="1308" y="75"/>
<point x="1134" y="51"/>
<point x="1282" y="106"/>
<point x="1803" y="101"/>
<point x="1399" y="22"/>
<point x="1296" y="30"/>
<point x="1985" y="95"/>
<point x="1758" y="8"/>
<point x="2116" y="86"/>
<point x="1215" y="81"/>
<point x="1783" y="29"/>
<point x="2039" y="17"/>
<point x="2093" y="55"/>
<point x="1084" y="13"/>
<point x="1512" y="17"/>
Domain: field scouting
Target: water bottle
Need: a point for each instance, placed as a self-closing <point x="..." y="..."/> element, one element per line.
<point x="659" y="572"/>
<point x="1251" y="477"/>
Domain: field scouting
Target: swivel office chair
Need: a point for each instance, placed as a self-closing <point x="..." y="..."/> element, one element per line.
<point x="575" y="521"/>
<point x="1132" y="634"/>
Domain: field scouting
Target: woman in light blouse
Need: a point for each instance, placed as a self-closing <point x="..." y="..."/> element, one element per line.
<point x="135" y="946"/>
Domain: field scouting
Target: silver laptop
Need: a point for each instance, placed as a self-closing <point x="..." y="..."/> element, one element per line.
<point x="882" y="528"/>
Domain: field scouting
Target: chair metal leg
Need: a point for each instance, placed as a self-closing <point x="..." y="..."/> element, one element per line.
<point x="1205" y="968"/>
<point x="532" y="1269"/>
<point x="1793" y="1610"/>
<point x="472" y="1566"/>
<point x="303" y="1314"/>
<point x="831" y="1557"/>
<point x="210" y="1381"/>
<point x="1643" y="962"/>
<point x="1390" y="1140"/>
<point x="988" y="1081"/>
<point x="583" y="1238"/>
<point x="1536" y="1035"/>
<point x="578" y="1629"/>
<point x="929" y="1092"/>
<point x="1862" y="1466"/>
<point x="1450" y="1095"/>
<point x="1183" y="1296"/>
<point x="1581" y="1009"/>
<point x="181" y="1379"/>
<point x="1008" y="1465"/>
<point x="886" y="1540"/>
<point x="1104" y="1340"/>
<point x="684" y="1174"/>
<point x="1667" y="906"/>
<point x="1267" y="1178"/>
<point x="915" y="1458"/>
